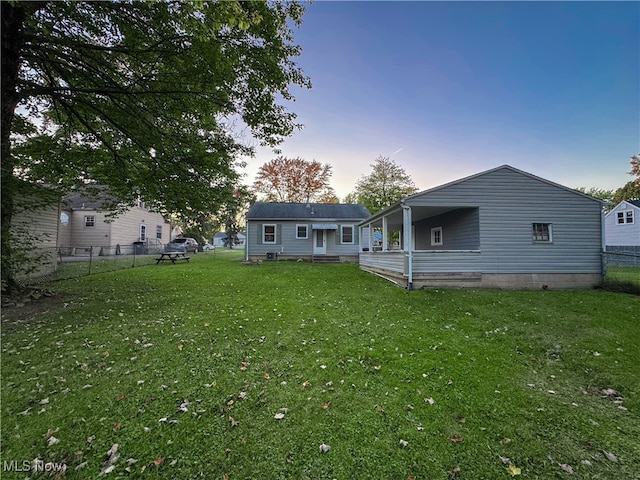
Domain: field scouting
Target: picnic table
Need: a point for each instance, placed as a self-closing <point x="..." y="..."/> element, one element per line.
<point x="172" y="257"/>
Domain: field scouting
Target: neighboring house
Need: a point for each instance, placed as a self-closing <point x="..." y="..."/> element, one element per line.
<point x="622" y="233"/>
<point x="86" y="223"/>
<point x="220" y="238"/>
<point x="622" y="225"/>
<point x="501" y="228"/>
<point x="34" y="231"/>
<point x="316" y="231"/>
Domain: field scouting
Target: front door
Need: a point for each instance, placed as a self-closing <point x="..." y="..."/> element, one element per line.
<point x="319" y="242"/>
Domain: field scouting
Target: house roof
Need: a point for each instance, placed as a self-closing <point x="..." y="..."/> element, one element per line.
<point x="633" y="203"/>
<point x="306" y="211"/>
<point x="95" y="198"/>
<point x="399" y="203"/>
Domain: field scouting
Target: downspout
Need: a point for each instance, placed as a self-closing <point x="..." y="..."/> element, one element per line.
<point x="603" y="246"/>
<point x="246" y="241"/>
<point x="408" y="247"/>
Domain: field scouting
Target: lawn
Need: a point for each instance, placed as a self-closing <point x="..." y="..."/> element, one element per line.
<point x="217" y="370"/>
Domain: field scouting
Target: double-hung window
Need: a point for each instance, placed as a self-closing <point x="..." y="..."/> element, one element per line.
<point x="268" y="233"/>
<point x="346" y="234"/>
<point x="302" y="232"/>
<point x="89" y="221"/>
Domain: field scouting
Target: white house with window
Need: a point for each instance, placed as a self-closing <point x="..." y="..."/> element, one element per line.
<point x="622" y="225"/>
<point x="501" y="228"/>
<point x="319" y="232"/>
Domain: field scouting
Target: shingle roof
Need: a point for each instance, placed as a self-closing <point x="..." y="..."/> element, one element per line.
<point x="313" y="211"/>
<point x="634" y="202"/>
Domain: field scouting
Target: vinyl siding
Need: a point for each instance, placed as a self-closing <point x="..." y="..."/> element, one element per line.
<point x="627" y="234"/>
<point x="288" y="244"/>
<point x="508" y="203"/>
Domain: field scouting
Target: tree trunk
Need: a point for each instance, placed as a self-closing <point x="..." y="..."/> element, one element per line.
<point x="12" y="42"/>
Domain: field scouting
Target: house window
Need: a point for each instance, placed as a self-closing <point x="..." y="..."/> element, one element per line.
<point x="143" y="232"/>
<point x="268" y="234"/>
<point x="436" y="236"/>
<point x="625" y="217"/>
<point x="158" y="231"/>
<point x="346" y="233"/>
<point x="541" y="232"/>
<point x="89" y="221"/>
<point x="302" y="231"/>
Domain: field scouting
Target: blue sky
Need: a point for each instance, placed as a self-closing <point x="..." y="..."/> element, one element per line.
<point x="449" y="89"/>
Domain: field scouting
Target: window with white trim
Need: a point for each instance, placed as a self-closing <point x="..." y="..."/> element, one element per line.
<point x="436" y="236"/>
<point x="302" y="231"/>
<point x="143" y="232"/>
<point x="158" y="231"/>
<point x="89" y="221"/>
<point x="268" y="233"/>
<point x="625" y="217"/>
<point x="346" y="234"/>
<point x="542" y="232"/>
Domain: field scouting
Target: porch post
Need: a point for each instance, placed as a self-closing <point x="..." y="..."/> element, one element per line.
<point x="408" y="247"/>
<point x="370" y="238"/>
<point x="385" y="240"/>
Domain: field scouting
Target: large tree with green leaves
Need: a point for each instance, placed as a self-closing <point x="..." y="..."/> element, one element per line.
<point x="386" y="184"/>
<point x="142" y="97"/>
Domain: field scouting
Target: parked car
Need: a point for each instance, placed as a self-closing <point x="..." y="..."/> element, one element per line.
<point x="186" y="245"/>
<point x="208" y="246"/>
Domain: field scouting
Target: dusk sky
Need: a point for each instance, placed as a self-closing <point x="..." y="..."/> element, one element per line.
<point x="450" y="89"/>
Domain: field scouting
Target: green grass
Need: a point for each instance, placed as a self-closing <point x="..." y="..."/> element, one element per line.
<point x="624" y="274"/>
<point x="463" y="377"/>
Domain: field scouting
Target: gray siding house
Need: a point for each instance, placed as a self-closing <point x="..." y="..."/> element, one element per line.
<point x="503" y="228"/>
<point x="316" y="231"/>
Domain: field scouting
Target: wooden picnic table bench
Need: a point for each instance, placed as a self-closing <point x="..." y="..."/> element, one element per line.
<point x="172" y="257"/>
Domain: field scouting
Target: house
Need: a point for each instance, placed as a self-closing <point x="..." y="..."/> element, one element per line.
<point x="502" y="228"/>
<point x="34" y="231"/>
<point x="310" y="231"/>
<point x="88" y="222"/>
<point x="622" y="233"/>
<point x="220" y="240"/>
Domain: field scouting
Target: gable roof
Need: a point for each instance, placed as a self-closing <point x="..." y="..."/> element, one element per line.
<point x="307" y="211"/>
<point x="486" y="172"/>
<point x="633" y="203"/>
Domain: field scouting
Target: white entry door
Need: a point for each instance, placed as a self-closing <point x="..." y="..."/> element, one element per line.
<point x="319" y="242"/>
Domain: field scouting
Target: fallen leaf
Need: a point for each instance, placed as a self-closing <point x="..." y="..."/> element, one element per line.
<point x="404" y="443"/>
<point x="513" y="470"/>
<point x="430" y="401"/>
<point x="379" y="409"/>
<point x="120" y="397"/>
<point x="279" y="416"/>
<point x="326" y="404"/>
<point x="505" y="460"/>
<point x="456" y="439"/>
<point x="306" y="384"/>
<point x="610" y="456"/>
<point x="117" y="425"/>
<point x="324" y="448"/>
<point x="52" y="441"/>
<point x="266" y="376"/>
<point x="44" y="401"/>
<point x="158" y="461"/>
<point x="233" y="421"/>
<point x="180" y="347"/>
<point x="244" y="364"/>
<point x="566" y="468"/>
<point x="506" y="440"/>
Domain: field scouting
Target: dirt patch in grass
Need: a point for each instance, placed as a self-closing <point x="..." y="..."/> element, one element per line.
<point x="29" y="305"/>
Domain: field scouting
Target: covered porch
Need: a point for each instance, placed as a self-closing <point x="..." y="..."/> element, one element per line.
<point x="425" y="245"/>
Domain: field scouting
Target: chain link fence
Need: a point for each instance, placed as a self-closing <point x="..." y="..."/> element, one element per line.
<point x="60" y="263"/>
<point x="623" y="256"/>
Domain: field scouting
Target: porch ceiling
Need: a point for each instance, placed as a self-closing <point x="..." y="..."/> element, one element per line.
<point x="394" y="218"/>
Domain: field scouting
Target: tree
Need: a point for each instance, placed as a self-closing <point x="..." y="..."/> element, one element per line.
<point x="385" y="185"/>
<point x="294" y="180"/>
<point x="141" y="97"/>
<point x="635" y="167"/>
<point x="596" y="192"/>
<point x="630" y="191"/>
